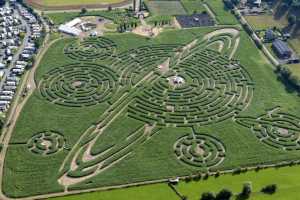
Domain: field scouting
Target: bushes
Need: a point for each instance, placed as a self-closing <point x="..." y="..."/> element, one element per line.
<point x="208" y="196"/>
<point x="269" y="189"/>
<point x="224" y="194"/>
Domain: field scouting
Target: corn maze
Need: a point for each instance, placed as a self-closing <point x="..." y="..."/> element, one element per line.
<point x="91" y="49"/>
<point x="46" y="143"/>
<point x="200" y="150"/>
<point x="275" y="129"/>
<point x="215" y="89"/>
<point x="80" y="84"/>
<point x="123" y="114"/>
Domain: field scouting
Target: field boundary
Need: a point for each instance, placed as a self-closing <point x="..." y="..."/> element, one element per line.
<point x="38" y="5"/>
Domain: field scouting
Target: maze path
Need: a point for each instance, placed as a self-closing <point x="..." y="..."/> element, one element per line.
<point x="135" y="63"/>
<point x="215" y="89"/>
<point x="91" y="49"/>
<point x="78" y="85"/>
<point x="276" y="129"/>
<point x="46" y="143"/>
<point x="199" y="150"/>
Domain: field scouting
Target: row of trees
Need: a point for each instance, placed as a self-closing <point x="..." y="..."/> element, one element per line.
<point x="226" y="194"/>
<point x="286" y="74"/>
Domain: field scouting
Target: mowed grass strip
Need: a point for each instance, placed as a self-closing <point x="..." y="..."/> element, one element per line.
<point x="166" y="8"/>
<point x="77" y="2"/>
<point x="149" y="192"/>
<point x="287" y="180"/>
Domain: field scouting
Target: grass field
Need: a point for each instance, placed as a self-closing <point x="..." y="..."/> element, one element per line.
<point x="295" y="69"/>
<point x="119" y="118"/>
<point x="265" y="22"/>
<point x="222" y="14"/>
<point x="77" y="2"/>
<point x="192" y="6"/>
<point x="165" y="7"/>
<point x="150" y="192"/>
<point x="295" y="44"/>
<point x="285" y="178"/>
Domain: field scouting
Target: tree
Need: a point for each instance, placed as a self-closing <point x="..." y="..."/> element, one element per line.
<point x="270" y="189"/>
<point x="292" y="19"/>
<point x="207" y="196"/>
<point x="83" y="11"/>
<point x="109" y="8"/>
<point x="224" y="194"/>
<point x="246" y="191"/>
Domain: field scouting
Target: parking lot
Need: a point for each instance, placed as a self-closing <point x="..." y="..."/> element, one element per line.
<point x="19" y="30"/>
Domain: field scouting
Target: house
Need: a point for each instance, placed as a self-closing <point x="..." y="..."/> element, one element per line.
<point x="281" y="49"/>
<point x="269" y="35"/>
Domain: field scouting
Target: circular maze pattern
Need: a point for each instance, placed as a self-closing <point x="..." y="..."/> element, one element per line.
<point x="46" y="143"/>
<point x="214" y="90"/>
<point x="89" y="49"/>
<point x="278" y="130"/>
<point x="200" y="150"/>
<point x="78" y="85"/>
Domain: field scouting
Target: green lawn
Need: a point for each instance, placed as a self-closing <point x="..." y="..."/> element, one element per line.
<point x="149" y="192"/>
<point x="287" y="180"/>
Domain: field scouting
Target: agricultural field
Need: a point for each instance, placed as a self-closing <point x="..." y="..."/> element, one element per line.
<point x="73" y="4"/>
<point x="262" y="22"/>
<point x="222" y="14"/>
<point x="125" y="109"/>
<point x="165" y="7"/>
<point x="77" y="2"/>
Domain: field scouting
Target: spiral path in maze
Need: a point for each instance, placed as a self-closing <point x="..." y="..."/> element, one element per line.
<point x="78" y="85"/>
<point x="91" y="49"/>
<point x="278" y="130"/>
<point x="213" y="89"/>
<point x="46" y="143"/>
<point x="200" y="150"/>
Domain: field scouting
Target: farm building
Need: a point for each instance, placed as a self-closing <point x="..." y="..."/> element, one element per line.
<point x="281" y="49"/>
<point x="270" y="35"/>
<point x="69" y="28"/>
<point x="195" y="20"/>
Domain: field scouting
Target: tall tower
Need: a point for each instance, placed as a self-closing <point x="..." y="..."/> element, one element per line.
<point x="137" y="5"/>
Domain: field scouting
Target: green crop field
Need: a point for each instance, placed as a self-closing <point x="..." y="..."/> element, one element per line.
<point x="123" y="109"/>
<point x="76" y="2"/>
<point x="165" y="7"/>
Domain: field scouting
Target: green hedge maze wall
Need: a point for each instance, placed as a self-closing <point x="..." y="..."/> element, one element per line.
<point x="276" y="129"/>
